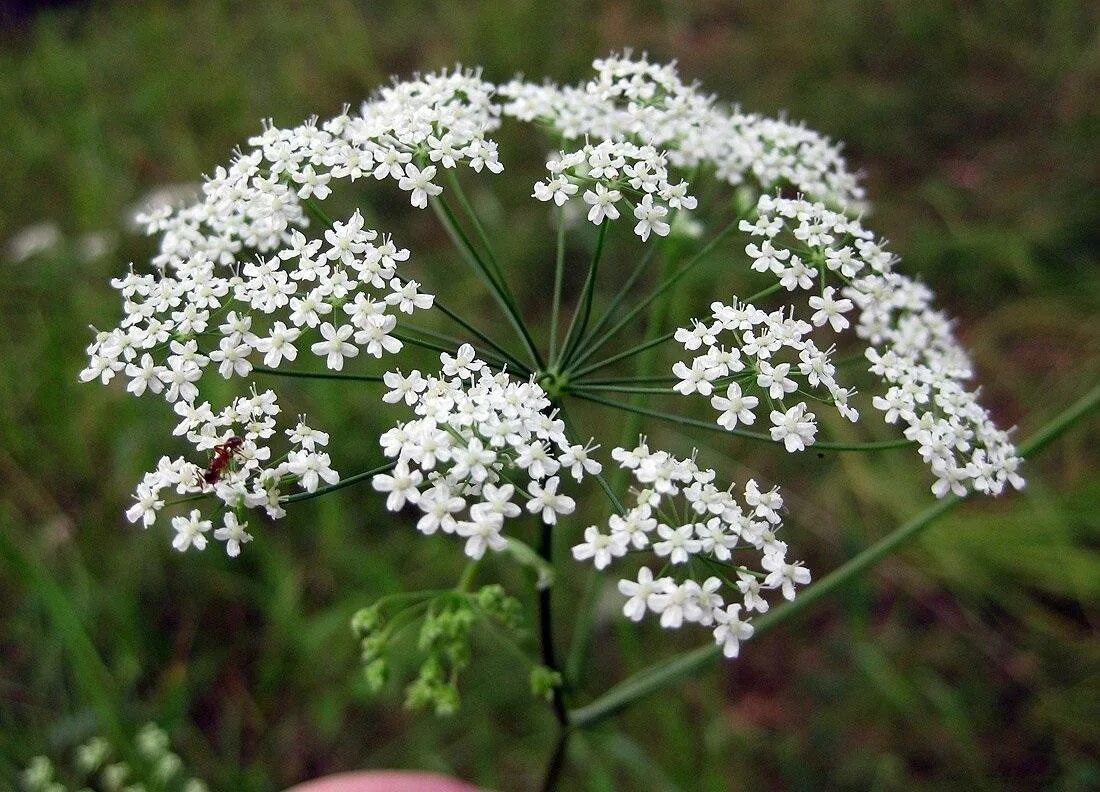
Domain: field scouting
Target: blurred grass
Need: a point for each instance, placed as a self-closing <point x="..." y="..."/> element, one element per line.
<point x="970" y="662"/>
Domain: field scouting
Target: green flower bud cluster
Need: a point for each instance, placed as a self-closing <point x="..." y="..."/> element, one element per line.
<point x="544" y="681"/>
<point x="153" y="768"/>
<point x="446" y="620"/>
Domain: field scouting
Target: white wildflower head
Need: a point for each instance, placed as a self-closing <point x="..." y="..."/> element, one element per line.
<point x="252" y="277"/>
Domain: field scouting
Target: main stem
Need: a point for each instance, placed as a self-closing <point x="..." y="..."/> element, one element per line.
<point x="549" y="659"/>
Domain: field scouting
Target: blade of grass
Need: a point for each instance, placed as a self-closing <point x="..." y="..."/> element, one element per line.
<point x="92" y="677"/>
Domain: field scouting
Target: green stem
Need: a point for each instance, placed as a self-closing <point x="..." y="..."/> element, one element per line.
<point x="581" y="387"/>
<point x="584" y="309"/>
<point x="663" y="380"/>
<point x="329" y="375"/>
<point x="347" y="482"/>
<point x="318" y="213"/>
<point x="467" y="576"/>
<point x="669" y="671"/>
<point x="420" y="342"/>
<point x="643" y="263"/>
<point x="642" y="347"/>
<point x="763" y="293"/>
<point x="574" y="436"/>
<point x="664" y="286"/>
<point x="479" y="229"/>
<point x="634" y="350"/>
<point x="559" y="274"/>
<point x="821" y="445"/>
<point x="447" y="217"/>
<point x="586" y="612"/>
<point x="585" y="623"/>
<point x="549" y="659"/>
<point x="500" y="355"/>
<point x="489" y="357"/>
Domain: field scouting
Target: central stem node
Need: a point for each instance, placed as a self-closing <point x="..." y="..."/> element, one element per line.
<point x="553" y="382"/>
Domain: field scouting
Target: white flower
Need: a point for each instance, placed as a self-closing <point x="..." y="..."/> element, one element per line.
<point x="638" y="593"/>
<point x="439" y="505"/>
<point x="190" y="531"/>
<point x="775" y="379"/>
<point x="147" y="375"/>
<point x="420" y="183"/>
<point x="498" y="500"/>
<point x="180" y="378"/>
<point x="335" y="347"/>
<point x="795" y="428"/>
<point x="602" y="201"/>
<point x="696" y="379"/>
<point x="601" y="548"/>
<point x="407" y="296"/>
<point x="634" y="526"/>
<point x="233" y="534"/>
<point x="766" y="504"/>
<point x="650" y="218"/>
<point x="558" y="189"/>
<point x="750" y="588"/>
<point x="403" y="388"/>
<point x="672" y="601"/>
<point x="482" y="534"/>
<point x="232" y="354"/>
<point x="705" y="602"/>
<point x="546" y="500"/>
<point x="279" y="344"/>
<point x="731" y="630"/>
<point x="375" y="336"/>
<point x="241" y="268"/>
<point x="463" y="364"/>
<point x="537" y="460"/>
<point x="307" y="437"/>
<point x="783" y="575"/>
<point x="676" y="543"/>
<point x="402" y="486"/>
<point x="734" y="407"/>
<point x="828" y="309"/>
<point x="578" y="460"/>
<point x="311" y="468"/>
<point x="146" y="506"/>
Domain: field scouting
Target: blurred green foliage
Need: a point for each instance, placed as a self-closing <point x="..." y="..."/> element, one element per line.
<point x="970" y="662"/>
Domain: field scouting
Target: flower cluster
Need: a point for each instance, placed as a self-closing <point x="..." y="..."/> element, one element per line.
<point x="238" y="256"/>
<point x="910" y="345"/>
<point x="615" y="171"/>
<point x="148" y="762"/>
<point x="484" y="443"/>
<point x="759" y="342"/>
<point x="344" y="289"/>
<point x="241" y="473"/>
<point x="633" y="99"/>
<point x="682" y="517"/>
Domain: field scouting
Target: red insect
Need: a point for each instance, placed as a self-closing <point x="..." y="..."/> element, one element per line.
<point x="220" y="456"/>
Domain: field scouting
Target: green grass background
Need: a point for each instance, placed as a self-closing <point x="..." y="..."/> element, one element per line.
<point x="968" y="661"/>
